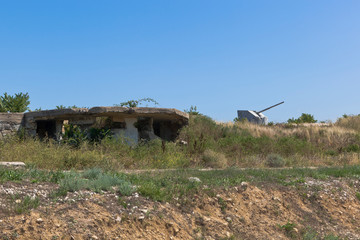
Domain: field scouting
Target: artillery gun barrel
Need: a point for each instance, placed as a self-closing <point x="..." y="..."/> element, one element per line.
<point x="269" y="107"/>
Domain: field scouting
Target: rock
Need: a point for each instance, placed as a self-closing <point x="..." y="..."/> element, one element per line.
<point x="13" y="164"/>
<point x="39" y="220"/>
<point x="143" y="210"/>
<point x="206" y="219"/>
<point x="276" y="199"/>
<point x="244" y="186"/>
<point x="194" y="179"/>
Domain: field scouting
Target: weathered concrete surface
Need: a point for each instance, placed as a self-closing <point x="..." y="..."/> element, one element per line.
<point x="129" y="133"/>
<point x="12" y="164"/>
<point x="141" y="111"/>
<point x="101" y="111"/>
<point x="10" y="123"/>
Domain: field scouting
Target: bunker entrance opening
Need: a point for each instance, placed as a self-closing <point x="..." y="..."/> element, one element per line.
<point x="46" y="129"/>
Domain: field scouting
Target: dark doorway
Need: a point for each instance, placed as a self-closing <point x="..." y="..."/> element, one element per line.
<point x="46" y="129"/>
<point x="165" y="129"/>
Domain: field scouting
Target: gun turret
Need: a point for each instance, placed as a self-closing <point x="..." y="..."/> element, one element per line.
<point x="269" y="107"/>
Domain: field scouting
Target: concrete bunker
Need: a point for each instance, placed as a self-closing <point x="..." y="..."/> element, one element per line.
<point x="133" y="124"/>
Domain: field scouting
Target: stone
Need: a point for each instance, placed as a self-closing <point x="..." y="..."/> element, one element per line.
<point x="39" y="220"/>
<point x="194" y="179"/>
<point x="12" y="164"/>
<point x="244" y="186"/>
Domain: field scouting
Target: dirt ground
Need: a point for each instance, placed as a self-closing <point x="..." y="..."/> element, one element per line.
<point x="310" y="210"/>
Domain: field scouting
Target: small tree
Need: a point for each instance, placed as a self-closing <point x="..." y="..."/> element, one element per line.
<point x="136" y="103"/>
<point x="304" y="118"/>
<point x="17" y="103"/>
<point x="192" y="111"/>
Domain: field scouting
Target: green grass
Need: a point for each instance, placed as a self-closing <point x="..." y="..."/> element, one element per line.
<point x="167" y="185"/>
<point x="357" y="195"/>
<point x="24" y="204"/>
<point x="95" y="180"/>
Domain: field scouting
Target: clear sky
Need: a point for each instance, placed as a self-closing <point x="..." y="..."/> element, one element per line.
<point x="221" y="56"/>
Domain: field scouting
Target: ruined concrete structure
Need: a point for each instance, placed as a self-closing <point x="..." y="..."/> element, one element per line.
<point x="133" y="124"/>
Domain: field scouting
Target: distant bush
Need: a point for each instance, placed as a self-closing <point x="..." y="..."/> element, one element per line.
<point x="275" y="160"/>
<point x="350" y="122"/>
<point x="192" y="110"/>
<point x="304" y="118"/>
<point x="352" y="148"/>
<point x="214" y="159"/>
<point x="17" y="103"/>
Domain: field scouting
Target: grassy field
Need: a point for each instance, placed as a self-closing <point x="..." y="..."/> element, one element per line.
<point x="280" y="159"/>
<point x="209" y="144"/>
<point x="171" y="184"/>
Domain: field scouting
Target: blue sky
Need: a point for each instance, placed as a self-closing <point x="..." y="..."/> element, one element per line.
<point x="220" y="56"/>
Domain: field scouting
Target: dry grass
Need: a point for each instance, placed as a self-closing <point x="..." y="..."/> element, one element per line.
<point x="349" y="122"/>
<point x="209" y="144"/>
<point x="327" y="135"/>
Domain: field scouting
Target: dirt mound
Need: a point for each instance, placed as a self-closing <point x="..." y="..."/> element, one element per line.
<point x="313" y="209"/>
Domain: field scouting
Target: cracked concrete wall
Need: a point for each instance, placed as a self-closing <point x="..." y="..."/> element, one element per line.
<point x="10" y="123"/>
<point x="130" y="133"/>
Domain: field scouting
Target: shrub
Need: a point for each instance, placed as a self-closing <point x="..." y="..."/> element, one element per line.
<point x="136" y="103"/>
<point x="289" y="229"/>
<point x="352" y="148"/>
<point x="214" y="159"/>
<point x="73" y="135"/>
<point x="95" y="180"/>
<point x="350" y="122"/>
<point x="275" y="160"/>
<point x="192" y="110"/>
<point x="304" y="118"/>
<point x="92" y="173"/>
<point x="201" y="133"/>
<point x="17" y="103"/>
